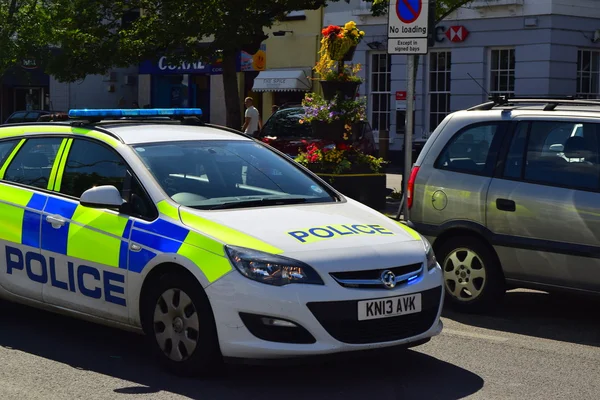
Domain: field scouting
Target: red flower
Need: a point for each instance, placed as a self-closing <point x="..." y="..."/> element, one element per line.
<point x="343" y="146"/>
<point x="331" y="29"/>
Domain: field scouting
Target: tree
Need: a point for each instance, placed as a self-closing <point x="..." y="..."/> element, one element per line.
<point x="92" y="36"/>
<point x="25" y="29"/>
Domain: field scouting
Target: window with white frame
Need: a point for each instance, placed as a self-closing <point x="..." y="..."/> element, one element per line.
<point x="440" y="64"/>
<point x="588" y="71"/>
<point x="380" y="88"/>
<point x="502" y="72"/>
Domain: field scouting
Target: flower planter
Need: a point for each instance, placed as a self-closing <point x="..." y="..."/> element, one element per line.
<point x="368" y="189"/>
<point x="349" y="54"/>
<point x="328" y="130"/>
<point x="347" y="90"/>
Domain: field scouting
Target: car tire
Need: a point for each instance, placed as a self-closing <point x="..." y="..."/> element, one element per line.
<point x="473" y="278"/>
<point x="189" y="347"/>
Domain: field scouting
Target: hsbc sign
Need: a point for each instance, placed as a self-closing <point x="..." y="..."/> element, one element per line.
<point x="455" y="33"/>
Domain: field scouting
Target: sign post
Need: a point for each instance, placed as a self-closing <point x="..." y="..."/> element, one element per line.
<point x="409" y="24"/>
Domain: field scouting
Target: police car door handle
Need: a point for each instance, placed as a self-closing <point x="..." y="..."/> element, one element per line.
<point x="55" y="221"/>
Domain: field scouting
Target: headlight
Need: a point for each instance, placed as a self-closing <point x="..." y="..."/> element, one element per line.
<point x="271" y="269"/>
<point x="431" y="260"/>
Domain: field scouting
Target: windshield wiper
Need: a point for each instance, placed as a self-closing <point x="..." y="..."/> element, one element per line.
<point x="259" y="202"/>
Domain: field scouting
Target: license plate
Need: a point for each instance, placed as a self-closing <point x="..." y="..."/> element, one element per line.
<point x="389" y="307"/>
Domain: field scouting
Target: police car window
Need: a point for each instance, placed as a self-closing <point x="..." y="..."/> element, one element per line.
<point x="91" y="164"/>
<point x="221" y="174"/>
<point x="33" y="162"/>
<point x="5" y="149"/>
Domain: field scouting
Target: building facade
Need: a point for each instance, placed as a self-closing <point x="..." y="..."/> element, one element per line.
<point x="293" y="50"/>
<point x="117" y="89"/>
<point x="513" y="47"/>
<point x="24" y="87"/>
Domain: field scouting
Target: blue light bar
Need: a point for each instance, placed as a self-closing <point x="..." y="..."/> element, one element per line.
<point x="135" y="112"/>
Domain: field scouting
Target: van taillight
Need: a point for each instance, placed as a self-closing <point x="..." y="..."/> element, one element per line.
<point x="411" y="186"/>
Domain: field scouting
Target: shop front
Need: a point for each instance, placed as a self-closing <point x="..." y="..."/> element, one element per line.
<point x="192" y="84"/>
<point x="283" y="87"/>
<point x="183" y="85"/>
<point x="25" y="87"/>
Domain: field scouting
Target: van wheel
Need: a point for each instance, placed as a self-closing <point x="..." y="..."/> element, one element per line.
<point x="473" y="276"/>
<point x="179" y="323"/>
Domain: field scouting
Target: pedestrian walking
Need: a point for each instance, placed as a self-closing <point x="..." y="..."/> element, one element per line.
<point x="252" y="123"/>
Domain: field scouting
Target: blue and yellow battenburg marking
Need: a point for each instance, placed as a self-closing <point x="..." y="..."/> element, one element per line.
<point x="319" y="233"/>
<point x="101" y="237"/>
<point x="107" y="285"/>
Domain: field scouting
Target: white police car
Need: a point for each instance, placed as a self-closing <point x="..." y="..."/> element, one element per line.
<point x="210" y="242"/>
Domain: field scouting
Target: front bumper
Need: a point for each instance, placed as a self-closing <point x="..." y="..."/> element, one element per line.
<point x="328" y="313"/>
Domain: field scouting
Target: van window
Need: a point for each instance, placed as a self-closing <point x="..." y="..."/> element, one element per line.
<point x="558" y="153"/>
<point x="470" y="150"/>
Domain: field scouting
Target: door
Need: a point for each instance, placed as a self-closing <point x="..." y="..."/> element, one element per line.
<point x="29" y="99"/>
<point x="544" y="206"/>
<point x="86" y="246"/>
<point x="455" y="188"/>
<point x="29" y="163"/>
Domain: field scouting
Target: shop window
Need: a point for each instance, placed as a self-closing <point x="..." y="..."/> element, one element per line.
<point x="440" y="64"/>
<point x="588" y="71"/>
<point x="502" y="72"/>
<point x="380" y="90"/>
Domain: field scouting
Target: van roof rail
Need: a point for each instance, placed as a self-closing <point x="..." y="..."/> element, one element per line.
<point x="550" y="102"/>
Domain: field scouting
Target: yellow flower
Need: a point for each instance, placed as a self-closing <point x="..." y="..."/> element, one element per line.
<point x="350" y="25"/>
<point x="362" y="33"/>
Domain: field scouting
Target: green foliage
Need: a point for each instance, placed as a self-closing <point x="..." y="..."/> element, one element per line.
<point x="25" y="30"/>
<point x="71" y="39"/>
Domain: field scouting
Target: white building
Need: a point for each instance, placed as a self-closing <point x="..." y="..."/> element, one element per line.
<point x="516" y="47"/>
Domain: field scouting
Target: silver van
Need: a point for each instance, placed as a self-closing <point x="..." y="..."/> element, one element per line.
<point x="508" y="192"/>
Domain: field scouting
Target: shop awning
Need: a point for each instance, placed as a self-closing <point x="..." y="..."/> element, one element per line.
<point x="280" y="80"/>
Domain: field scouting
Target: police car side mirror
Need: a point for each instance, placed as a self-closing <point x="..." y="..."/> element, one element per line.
<point x="102" y="197"/>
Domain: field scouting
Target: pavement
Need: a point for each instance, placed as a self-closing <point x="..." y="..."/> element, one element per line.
<point x="537" y="346"/>
<point x="394" y="183"/>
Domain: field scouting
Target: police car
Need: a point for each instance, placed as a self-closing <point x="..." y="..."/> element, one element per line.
<point x="209" y="242"/>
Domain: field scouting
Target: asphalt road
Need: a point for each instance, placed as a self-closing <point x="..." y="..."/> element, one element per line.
<point x="536" y="347"/>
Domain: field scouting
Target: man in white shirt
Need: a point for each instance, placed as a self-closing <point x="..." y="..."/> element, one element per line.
<point x="252" y="122"/>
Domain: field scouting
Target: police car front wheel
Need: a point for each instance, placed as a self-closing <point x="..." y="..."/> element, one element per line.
<point x="179" y="322"/>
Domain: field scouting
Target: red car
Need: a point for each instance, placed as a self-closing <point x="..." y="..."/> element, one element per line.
<point x="284" y="132"/>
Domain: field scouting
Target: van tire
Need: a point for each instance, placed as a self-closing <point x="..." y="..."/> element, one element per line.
<point x="491" y="291"/>
<point x="205" y="358"/>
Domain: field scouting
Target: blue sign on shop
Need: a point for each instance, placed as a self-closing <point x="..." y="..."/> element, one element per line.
<point x="163" y="67"/>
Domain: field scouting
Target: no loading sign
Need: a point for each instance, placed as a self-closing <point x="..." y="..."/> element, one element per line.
<point x="408" y="11"/>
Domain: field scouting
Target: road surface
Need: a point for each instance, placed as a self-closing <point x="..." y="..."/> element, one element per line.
<point x="536" y="347"/>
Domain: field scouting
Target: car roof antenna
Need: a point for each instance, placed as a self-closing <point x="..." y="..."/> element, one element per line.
<point x="478" y="84"/>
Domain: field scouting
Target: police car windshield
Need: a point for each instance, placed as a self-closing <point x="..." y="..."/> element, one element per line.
<point x="229" y="174"/>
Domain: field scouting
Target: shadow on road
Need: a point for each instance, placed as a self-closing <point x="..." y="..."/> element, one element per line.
<point x="405" y="375"/>
<point x="557" y="316"/>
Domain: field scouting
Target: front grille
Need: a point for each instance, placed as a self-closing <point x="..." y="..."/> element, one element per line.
<point x="340" y="320"/>
<point x="371" y="278"/>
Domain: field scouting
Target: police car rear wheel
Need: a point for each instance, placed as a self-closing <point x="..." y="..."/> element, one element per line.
<point x="180" y="323"/>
